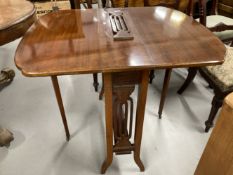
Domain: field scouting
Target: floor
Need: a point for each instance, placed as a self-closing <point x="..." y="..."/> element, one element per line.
<point x="170" y="146"/>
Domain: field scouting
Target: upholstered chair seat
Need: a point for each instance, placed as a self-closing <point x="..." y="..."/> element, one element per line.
<point x="222" y="74"/>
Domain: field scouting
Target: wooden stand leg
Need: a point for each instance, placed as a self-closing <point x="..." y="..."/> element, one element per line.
<point x="95" y="83"/>
<point x="108" y="120"/>
<point x="151" y="76"/>
<point x="216" y="104"/>
<point x="60" y="104"/>
<point x="102" y="90"/>
<point x="119" y="114"/>
<point x="191" y="75"/>
<point x="141" y="103"/>
<point x="164" y="91"/>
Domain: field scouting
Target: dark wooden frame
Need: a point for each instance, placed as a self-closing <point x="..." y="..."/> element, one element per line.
<point x="219" y="93"/>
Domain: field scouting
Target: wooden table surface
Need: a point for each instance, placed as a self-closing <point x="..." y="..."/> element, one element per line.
<point x="16" y="16"/>
<point x="79" y="41"/>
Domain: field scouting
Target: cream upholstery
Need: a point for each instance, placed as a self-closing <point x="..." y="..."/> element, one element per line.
<point x="222" y="74"/>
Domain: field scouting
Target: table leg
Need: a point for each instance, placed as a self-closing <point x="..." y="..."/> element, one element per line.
<point x="164" y="91"/>
<point x="108" y="120"/>
<point x="60" y="104"/>
<point x="119" y="114"/>
<point x="141" y="104"/>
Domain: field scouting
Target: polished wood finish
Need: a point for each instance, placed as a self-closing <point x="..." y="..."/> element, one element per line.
<point x="217" y="156"/>
<point x="119" y="107"/>
<point x="108" y="120"/>
<point x="80" y="41"/>
<point x="16" y="17"/>
<point x="37" y="56"/>
<point x="60" y="105"/>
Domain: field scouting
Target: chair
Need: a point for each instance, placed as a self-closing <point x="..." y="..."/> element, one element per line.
<point x="218" y="77"/>
<point x="217" y="156"/>
<point x="221" y="26"/>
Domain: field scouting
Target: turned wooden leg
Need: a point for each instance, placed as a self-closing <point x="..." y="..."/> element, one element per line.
<point x="151" y="76"/>
<point x="216" y="104"/>
<point x="60" y="104"/>
<point x="141" y="104"/>
<point x="164" y="91"/>
<point x="108" y="120"/>
<point x="191" y="74"/>
<point x="95" y="83"/>
<point x="102" y="89"/>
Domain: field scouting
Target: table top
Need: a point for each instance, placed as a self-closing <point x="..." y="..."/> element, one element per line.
<point x="80" y="41"/>
<point x="16" y="16"/>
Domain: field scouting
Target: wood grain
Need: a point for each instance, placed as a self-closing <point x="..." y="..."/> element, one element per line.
<point x="79" y="41"/>
<point x="16" y="16"/>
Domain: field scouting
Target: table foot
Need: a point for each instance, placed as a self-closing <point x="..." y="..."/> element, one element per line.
<point x="164" y="91"/>
<point x="5" y="137"/>
<point x="105" y="166"/>
<point x="139" y="162"/>
<point x="118" y="88"/>
<point x="60" y="104"/>
<point x="6" y="77"/>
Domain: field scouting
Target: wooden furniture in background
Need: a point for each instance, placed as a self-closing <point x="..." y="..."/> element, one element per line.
<point x="219" y="79"/>
<point x="221" y="89"/>
<point x="221" y="25"/>
<point x="217" y="157"/>
<point x="89" y="48"/>
<point x="16" y="16"/>
<point x="225" y="8"/>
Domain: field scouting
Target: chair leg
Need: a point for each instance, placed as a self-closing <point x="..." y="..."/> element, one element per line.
<point x="191" y="74"/>
<point x="216" y="104"/>
<point x="95" y="83"/>
<point x="151" y="76"/>
<point x="103" y="3"/>
<point x="102" y="90"/>
<point x="164" y="91"/>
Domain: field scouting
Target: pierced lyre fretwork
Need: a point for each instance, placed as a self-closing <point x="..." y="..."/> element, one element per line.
<point x="123" y="118"/>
